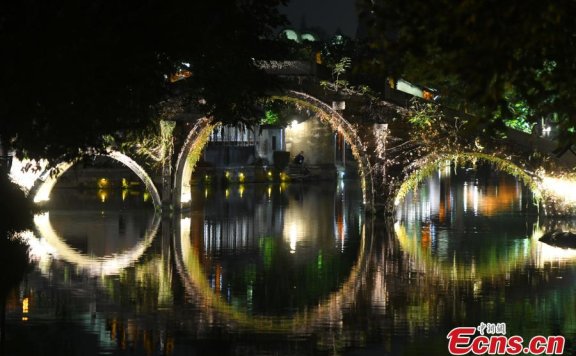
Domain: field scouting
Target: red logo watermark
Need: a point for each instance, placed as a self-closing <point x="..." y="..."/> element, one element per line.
<point x="464" y="340"/>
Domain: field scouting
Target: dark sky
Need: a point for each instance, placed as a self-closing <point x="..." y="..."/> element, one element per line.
<point x="327" y="14"/>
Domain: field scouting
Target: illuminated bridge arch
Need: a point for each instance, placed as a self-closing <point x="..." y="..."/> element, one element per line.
<point x="422" y="168"/>
<point x="45" y="183"/>
<point x="200" y="134"/>
<point x="188" y="157"/>
<point x="555" y="193"/>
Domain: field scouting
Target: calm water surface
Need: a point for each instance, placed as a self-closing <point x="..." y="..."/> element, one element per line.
<point x="291" y="269"/>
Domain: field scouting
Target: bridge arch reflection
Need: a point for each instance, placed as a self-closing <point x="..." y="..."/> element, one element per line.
<point x="455" y="224"/>
<point x="218" y="310"/>
<point x="49" y="242"/>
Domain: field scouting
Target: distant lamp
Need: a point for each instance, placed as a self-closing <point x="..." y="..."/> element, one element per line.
<point x="339" y="105"/>
<point x="102" y="183"/>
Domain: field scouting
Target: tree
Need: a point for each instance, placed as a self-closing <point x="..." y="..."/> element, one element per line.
<point x="73" y="73"/>
<point x="16" y="213"/>
<point x="483" y="54"/>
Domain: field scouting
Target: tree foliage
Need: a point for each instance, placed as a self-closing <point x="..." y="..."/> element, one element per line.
<point x="480" y="53"/>
<point x="73" y="71"/>
<point x="16" y="210"/>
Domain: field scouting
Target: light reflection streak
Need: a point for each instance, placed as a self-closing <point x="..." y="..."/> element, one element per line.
<point x="475" y="199"/>
<point x="293" y="234"/>
<point x="465" y="189"/>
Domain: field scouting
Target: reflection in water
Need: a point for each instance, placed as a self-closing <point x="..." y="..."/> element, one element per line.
<point x="102" y="238"/>
<point x="470" y="248"/>
<point x="471" y="221"/>
<point x="277" y="249"/>
<point x="98" y="234"/>
<point x="287" y="270"/>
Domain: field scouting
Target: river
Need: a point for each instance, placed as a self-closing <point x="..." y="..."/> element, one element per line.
<point x="291" y="269"/>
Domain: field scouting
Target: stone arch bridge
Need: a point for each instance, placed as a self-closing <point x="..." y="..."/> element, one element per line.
<point x="391" y="159"/>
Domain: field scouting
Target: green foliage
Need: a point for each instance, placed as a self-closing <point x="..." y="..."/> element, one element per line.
<point x="340" y="69"/>
<point x="199" y="144"/>
<point x="519" y="124"/>
<point x="270" y="118"/>
<point x="432" y="128"/>
<point x="467" y="51"/>
<point x="147" y="144"/>
<point x="425" y="115"/>
<point x="521" y="116"/>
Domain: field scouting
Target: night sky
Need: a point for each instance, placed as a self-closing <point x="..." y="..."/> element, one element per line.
<point x="326" y="14"/>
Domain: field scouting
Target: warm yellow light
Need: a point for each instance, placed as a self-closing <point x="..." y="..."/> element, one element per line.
<point x="103" y="195"/>
<point x="562" y="189"/>
<point x="227" y="193"/>
<point x="25" y="305"/>
<point x="146" y="196"/>
<point x="124" y="194"/>
<point x="103" y="182"/>
<point x="241" y="177"/>
<point x="241" y="190"/>
<point x="180" y="75"/>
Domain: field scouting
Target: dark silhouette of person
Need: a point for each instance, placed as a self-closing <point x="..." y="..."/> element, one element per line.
<point x="299" y="159"/>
